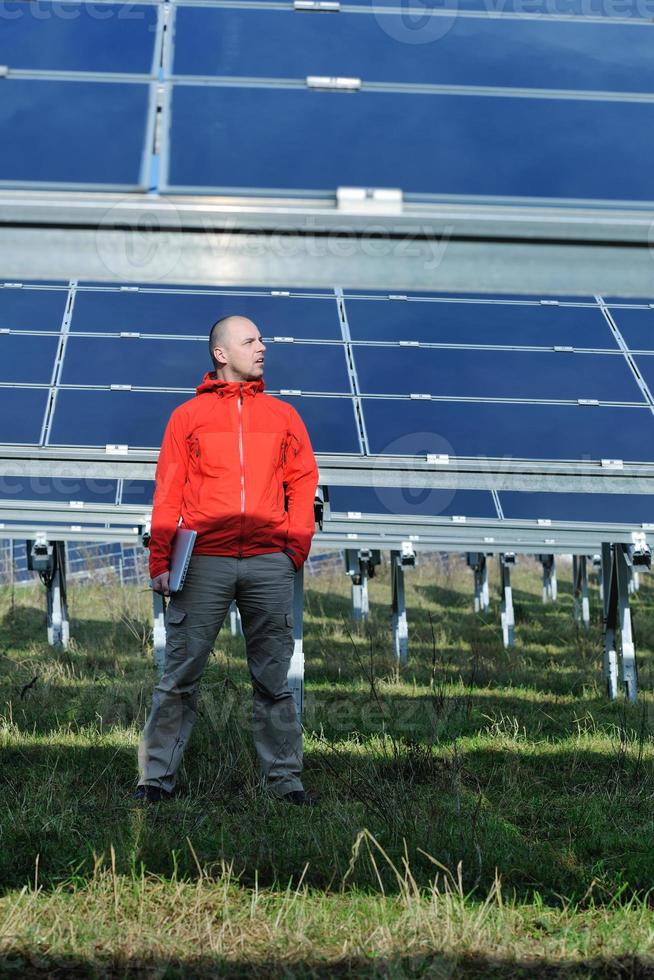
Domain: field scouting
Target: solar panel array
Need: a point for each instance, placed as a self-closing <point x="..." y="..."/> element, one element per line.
<point x="95" y="365"/>
<point x="452" y="103"/>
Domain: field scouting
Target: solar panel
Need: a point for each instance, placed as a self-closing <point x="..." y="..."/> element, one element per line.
<point x="32" y="309"/>
<point x="426" y="145"/>
<point x="636" y="327"/>
<point x="189" y="313"/>
<point x="601" y="508"/>
<point x="495" y="374"/>
<point x="467" y="322"/>
<point x="62" y="489"/>
<point x="413" y="400"/>
<point x="284" y="43"/>
<point x="413" y="501"/>
<point x="100" y="418"/>
<point x="136" y="492"/>
<point x="524" y="431"/>
<point x="178" y="364"/>
<point x="625" y="10"/>
<point x="138" y="419"/>
<point x="21" y="414"/>
<point x="27" y="359"/>
<point x="78" y="37"/>
<point x="43" y="141"/>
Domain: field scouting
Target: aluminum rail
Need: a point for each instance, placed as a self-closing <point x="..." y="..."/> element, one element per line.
<point x="454" y="472"/>
<point x="515" y="246"/>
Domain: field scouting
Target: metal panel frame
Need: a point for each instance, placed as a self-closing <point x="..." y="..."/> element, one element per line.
<point x="444" y="247"/>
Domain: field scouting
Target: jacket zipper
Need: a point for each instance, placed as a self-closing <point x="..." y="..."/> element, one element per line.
<point x="240" y="453"/>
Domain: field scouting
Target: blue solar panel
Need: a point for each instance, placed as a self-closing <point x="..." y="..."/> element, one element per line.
<point x="617" y="508"/>
<point x="518" y="431"/>
<point x="98" y="418"/>
<point x="181" y="364"/>
<point x="622" y="301"/>
<point x="308" y="141"/>
<point x="193" y="314"/>
<point x="417" y="11"/>
<point x="78" y="37"/>
<point x="478" y="323"/>
<point x="137" y="492"/>
<point x="32" y="309"/>
<point x="645" y="364"/>
<point x="137" y="362"/>
<point x="413" y="501"/>
<point x="73" y="132"/>
<point x="482" y="299"/>
<point x="471" y="51"/>
<point x="26" y="359"/>
<point x="46" y="489"/>
<point x="21" y="414"/>
<point x="494" y="374"/>
<point x="636" y="326"/>
<point x="330" y="423"/>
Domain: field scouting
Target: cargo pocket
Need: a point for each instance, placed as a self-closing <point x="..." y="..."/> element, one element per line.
<point x="175" y="616"/>
<point x="281" y="636"/>
<point x="175" y="635"/>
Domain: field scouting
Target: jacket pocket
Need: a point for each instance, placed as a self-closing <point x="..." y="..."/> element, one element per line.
<point x="217" y="453"/>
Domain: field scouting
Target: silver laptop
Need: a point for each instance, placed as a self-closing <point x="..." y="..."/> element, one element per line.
<point x="180" y="556"/>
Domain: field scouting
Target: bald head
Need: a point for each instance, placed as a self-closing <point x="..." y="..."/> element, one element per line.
<point x="235" y="347"/>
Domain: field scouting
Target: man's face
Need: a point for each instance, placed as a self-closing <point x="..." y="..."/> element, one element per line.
<point x="241" y="356"/>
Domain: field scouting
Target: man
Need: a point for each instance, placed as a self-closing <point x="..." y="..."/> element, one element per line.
<point x="237" y="466"/>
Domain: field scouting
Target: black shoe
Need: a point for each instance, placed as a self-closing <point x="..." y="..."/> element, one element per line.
<point x="151" y="794"/>
<point x="298" y="797"/>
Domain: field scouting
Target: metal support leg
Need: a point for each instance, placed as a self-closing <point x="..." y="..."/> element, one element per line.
<point x="508" y="621"/>
<point x="634" y="581"/>
<point x="597" y="564"/>
<point x="400" y="630"/>
<point x="477" y="562"/>
<point x="485" y="598"/>
<point x="549" y="578"/>
<point x="360" y="605"/>
<point x="58" y="625"/>
<point x="235" y="619"/>
<point x="296" y="667"/>
<point x="49" y="560"/>
<point x="617" y="617"/>
<point x="580" y="590"/>
<point x="158" y="631"/>
<point x="627" y="650"/>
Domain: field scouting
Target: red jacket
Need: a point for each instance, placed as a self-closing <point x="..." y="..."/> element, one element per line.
<point x="228" y="457"/>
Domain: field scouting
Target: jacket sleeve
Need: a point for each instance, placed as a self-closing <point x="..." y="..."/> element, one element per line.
<point x="301" y="480"/>
<point x="170" y="477"/>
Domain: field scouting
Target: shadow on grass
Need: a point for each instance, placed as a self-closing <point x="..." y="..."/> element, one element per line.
<point x="545" y="819"/>
<point x="442" y="965"/>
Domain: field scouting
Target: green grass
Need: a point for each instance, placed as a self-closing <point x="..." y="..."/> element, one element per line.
<point x="483" y="811"/>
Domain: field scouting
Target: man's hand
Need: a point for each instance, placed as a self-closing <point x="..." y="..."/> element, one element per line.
<point x="160" y="583"/>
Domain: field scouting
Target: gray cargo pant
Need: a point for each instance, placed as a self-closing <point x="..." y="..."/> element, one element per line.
<point x="263" y="588"/>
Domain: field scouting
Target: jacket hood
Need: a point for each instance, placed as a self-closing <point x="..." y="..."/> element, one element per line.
<point x="211" y="383"/>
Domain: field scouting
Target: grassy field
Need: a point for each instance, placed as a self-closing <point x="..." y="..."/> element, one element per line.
<point x="484" y="812"/>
